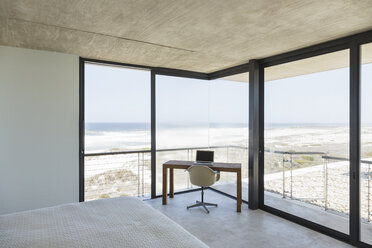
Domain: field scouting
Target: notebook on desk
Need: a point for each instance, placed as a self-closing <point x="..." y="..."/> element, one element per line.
<point x="204" y="157"/>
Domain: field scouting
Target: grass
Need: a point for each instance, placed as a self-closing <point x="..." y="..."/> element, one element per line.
<point x="308" y="158"/>
<point x="369" y="154"/>
<point x="305" y="160"/>
<point x="112" y="176"/>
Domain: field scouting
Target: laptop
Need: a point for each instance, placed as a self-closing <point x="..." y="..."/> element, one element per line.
<point x="204" y="157"/>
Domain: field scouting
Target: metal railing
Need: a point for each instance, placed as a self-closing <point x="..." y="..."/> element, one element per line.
<point x="284" y="160"/>
<point x="287" y="157"/>
<point x="368" y="163"/>
<point x="161" y="150"/>
<point x="143" y="168"/>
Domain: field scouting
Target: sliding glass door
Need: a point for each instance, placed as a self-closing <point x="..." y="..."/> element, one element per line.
<point x="306" y="139"/>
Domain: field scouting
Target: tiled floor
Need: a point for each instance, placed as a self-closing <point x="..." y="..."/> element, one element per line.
<point x="224" y="227"/>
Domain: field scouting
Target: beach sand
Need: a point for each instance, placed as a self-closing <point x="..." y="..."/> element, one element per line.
<point x="130" y="174"/>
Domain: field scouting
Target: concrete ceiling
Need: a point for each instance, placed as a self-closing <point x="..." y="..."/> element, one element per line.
<point x="194" y="35"/>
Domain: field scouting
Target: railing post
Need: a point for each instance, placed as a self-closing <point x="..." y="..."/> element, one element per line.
<point x="143" y="174"/>
<point x="283" y="176"/>
<point x="326" y="184"/>
<point x="138" y="175"/>
<point x="187" y="177"/>
<point x="369" y="192"/>
<point x="291" y="176"/>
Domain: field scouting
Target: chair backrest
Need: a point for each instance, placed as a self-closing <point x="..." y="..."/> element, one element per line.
<point x="201" y="175"/>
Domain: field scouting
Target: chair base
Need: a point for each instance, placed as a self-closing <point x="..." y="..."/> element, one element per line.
<point x="202" y="204"/>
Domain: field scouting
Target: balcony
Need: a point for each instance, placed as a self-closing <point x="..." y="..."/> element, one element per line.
<point x="123" y="173"/>
<point x="311" y="185"/>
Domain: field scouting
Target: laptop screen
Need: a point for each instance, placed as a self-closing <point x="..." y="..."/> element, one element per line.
<point x="204" y="156"/>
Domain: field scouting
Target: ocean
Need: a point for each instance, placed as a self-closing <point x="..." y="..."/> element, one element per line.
<point x="106" y="137"/>
<point x="97" y="127"/>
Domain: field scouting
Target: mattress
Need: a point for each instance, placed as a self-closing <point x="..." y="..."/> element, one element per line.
<point x="116" y="222"/>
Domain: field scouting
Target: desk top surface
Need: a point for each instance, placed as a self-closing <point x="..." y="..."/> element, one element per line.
<point x="216" y="165"/>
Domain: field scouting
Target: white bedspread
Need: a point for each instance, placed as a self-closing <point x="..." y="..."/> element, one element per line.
<point x="117" y="222"/>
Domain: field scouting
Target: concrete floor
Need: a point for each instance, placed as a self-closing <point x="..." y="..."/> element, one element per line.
<point x="307" y="211"/>
<point x="224" y="227"/>
<point x="230" y="188"/>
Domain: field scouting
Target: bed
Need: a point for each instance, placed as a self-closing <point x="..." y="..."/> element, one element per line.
<point x="116" y="222"/>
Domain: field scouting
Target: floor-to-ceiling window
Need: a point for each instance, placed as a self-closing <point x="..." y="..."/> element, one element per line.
<point x="194" y="114"/>
<point x="191" y="114"/>
<point x="117" y="132"/>
<point x="366" y="145"/>
<point x="306" y="139"/>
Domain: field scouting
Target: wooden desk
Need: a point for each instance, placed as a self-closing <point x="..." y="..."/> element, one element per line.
<point x="177" y="164"/>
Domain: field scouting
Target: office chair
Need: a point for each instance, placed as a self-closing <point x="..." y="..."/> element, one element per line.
<point x="203" y="176"/>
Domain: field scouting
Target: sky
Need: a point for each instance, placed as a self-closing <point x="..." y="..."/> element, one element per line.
<point x="314" y="98"/>
<point x="320" y="98"/>
<point x="116" y="94"/>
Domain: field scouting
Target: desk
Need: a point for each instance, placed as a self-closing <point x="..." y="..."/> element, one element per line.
<point x="226" y="167"/>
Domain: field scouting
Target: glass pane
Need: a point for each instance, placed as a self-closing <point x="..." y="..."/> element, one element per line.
<point x="366" y="145"/>
<point x="196" y="114"/>
<point x="229" y="112"/>
<point x="307" y="139"/>
<point x="182" y="122"/>
<point x="117" y="119"/>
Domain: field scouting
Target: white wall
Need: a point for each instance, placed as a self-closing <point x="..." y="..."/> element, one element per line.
<point x="39" y="129"/>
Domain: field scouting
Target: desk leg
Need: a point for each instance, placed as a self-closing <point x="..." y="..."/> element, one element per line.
<point x="171" y="183"/>
<point x="239" y="192"/>
<point x="165" y="170"/>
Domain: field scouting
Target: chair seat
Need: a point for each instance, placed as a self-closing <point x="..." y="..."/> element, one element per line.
<point x="202" y="176"/>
